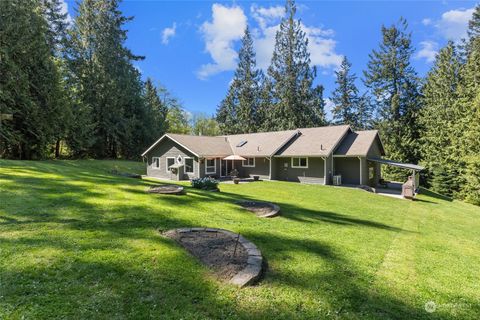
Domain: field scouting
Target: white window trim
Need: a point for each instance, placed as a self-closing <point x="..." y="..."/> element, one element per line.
<point x="247" y="165"/>
<point x="185" y="164"/>
<point x="153" y="160"/>
<point x="214" y="166"/>
<point x="166" y="163"/>
<point x="299" y="167"/>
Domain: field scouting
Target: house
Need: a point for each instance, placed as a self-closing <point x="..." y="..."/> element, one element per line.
<point x="314" y="155"/>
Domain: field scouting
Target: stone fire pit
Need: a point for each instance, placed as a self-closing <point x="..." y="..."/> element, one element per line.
<point x="231" y="257"/>
<point x="261" y="209"/>
<point x="166" y="189"/>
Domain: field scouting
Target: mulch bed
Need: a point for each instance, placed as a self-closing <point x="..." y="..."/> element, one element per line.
<point x="261" y="209"/>
<point x="166" y="189"/>
<point x="215" y="250"/>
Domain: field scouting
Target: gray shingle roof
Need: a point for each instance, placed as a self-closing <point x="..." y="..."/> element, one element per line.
<point x="318" y="142"/>
<point x="203" y="146"/>
<point x="357" y="143"/>
<point x="315" y="141"/>
<point x="262" y="144"/>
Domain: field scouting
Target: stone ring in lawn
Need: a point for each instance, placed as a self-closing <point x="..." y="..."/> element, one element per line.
<point x="232" y="257"/>
<point x="166" y="189"/>
<point x="261" y="209"/>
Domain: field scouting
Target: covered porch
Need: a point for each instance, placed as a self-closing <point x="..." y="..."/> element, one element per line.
<point x="407" y="189"/>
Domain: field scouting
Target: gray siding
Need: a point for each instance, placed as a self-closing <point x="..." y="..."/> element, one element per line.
<point x="348" y="168"/>
<point x="262" y="169"/>
<point x="164" y="150"/>
<point x="313" y="174"/>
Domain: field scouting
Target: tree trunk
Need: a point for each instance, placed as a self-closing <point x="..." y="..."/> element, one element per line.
<point x="57" y="149"/>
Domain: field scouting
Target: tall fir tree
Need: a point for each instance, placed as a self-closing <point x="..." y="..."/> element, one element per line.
<point x="345" y="96"/>
<point x="437" y="119"/>
<point x="157" y="111"/>
<point x="29" y="82"/>
<point x="293" y="100"/>
<point x="237" y="113"/>
<point x="110" y="110"/>
<point x="394" y="84"/>
<point x="468" y="128"/>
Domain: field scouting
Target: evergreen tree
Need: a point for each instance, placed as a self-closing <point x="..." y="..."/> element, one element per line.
<point x="157" y="118"/>
<point x="393" y="83"/>
<point x="237" y="113"/>
<point x="468" y="127"/>
<point x="437" y="120"/>
<point x="345" y="96"/>
<point x="29" y="81"/>
<point x="107" y="85"/>
<point x="57" y="25"/>
<point x="293" y="100"/>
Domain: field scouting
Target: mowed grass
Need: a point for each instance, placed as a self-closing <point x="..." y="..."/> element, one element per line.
<point x="79" y="243"/>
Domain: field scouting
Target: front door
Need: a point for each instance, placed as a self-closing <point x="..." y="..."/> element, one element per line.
<point x="223" y="168"/>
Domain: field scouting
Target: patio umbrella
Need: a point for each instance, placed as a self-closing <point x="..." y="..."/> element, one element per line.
<point x="234" y="157"/>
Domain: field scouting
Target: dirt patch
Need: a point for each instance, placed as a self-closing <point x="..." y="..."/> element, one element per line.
<point x="215" y="250"/>
<point x="166" y="189"/>
<point x="261" y="209"/>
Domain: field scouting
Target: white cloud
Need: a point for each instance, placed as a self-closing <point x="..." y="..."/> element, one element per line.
<point x="320" y="42"/>
<point x="427" y="21"/>
<point x="329" y="106"/>
<point x="428" y="50"/>
<point x="64" y="9"/>
<point x="168" y="33"/>
<point x="227" y="25"/>
<point x="453" y="24"/>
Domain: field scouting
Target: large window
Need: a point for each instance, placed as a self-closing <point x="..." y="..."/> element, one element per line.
<point x="210" y="165"/>
<point x="300" y="162"/>
<point x="248" y="162"/>
<point x="170" y="162"/>
<point x="188" y="165"/>
<point x="156" y="162"/>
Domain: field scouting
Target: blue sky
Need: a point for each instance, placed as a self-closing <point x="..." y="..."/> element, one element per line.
<point x="190" y="46"/>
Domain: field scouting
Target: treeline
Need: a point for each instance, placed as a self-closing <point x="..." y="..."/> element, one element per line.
<point x="72" y="88"/>
<point x="433" y="121"/>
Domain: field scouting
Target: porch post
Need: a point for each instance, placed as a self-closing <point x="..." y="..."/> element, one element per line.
<point x="360" y="160"/>
<point x="270" y="168"/>
<point x="325" y="171"/>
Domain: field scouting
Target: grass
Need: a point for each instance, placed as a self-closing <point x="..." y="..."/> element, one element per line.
<point x="77" y="242"/>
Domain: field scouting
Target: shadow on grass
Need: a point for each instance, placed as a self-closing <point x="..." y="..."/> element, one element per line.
<point x="140" y="288"/>
<point x="435" y="195"/>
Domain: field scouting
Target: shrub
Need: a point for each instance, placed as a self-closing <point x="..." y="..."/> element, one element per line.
<point x="205" y="183"/>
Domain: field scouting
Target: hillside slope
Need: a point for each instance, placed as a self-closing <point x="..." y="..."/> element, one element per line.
<point x="79" y="242"/>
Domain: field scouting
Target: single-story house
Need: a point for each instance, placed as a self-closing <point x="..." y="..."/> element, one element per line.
<point x="314" y="155"/>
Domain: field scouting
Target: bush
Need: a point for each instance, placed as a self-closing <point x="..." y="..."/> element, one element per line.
<point x="205" y="183"/>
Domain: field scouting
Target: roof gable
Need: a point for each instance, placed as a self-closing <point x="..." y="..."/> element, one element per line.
<point x="358" y="143"/>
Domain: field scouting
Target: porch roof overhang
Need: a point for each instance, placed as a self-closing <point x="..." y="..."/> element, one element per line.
<point x="234" y="157"/>
<point x="397" y="164"/>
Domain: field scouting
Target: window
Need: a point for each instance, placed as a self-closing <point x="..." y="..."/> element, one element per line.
<point x="179" y="159"/>
<point x="170" y="162"/>
<point x="156" y="162"/>
<point x="188" y="165"/>
<point x="299" y="163"/>
<point x="248" y="162"/>
<point x="210" y="165"/>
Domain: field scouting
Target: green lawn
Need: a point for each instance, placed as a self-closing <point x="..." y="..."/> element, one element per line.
<point x="78" y="242"/>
